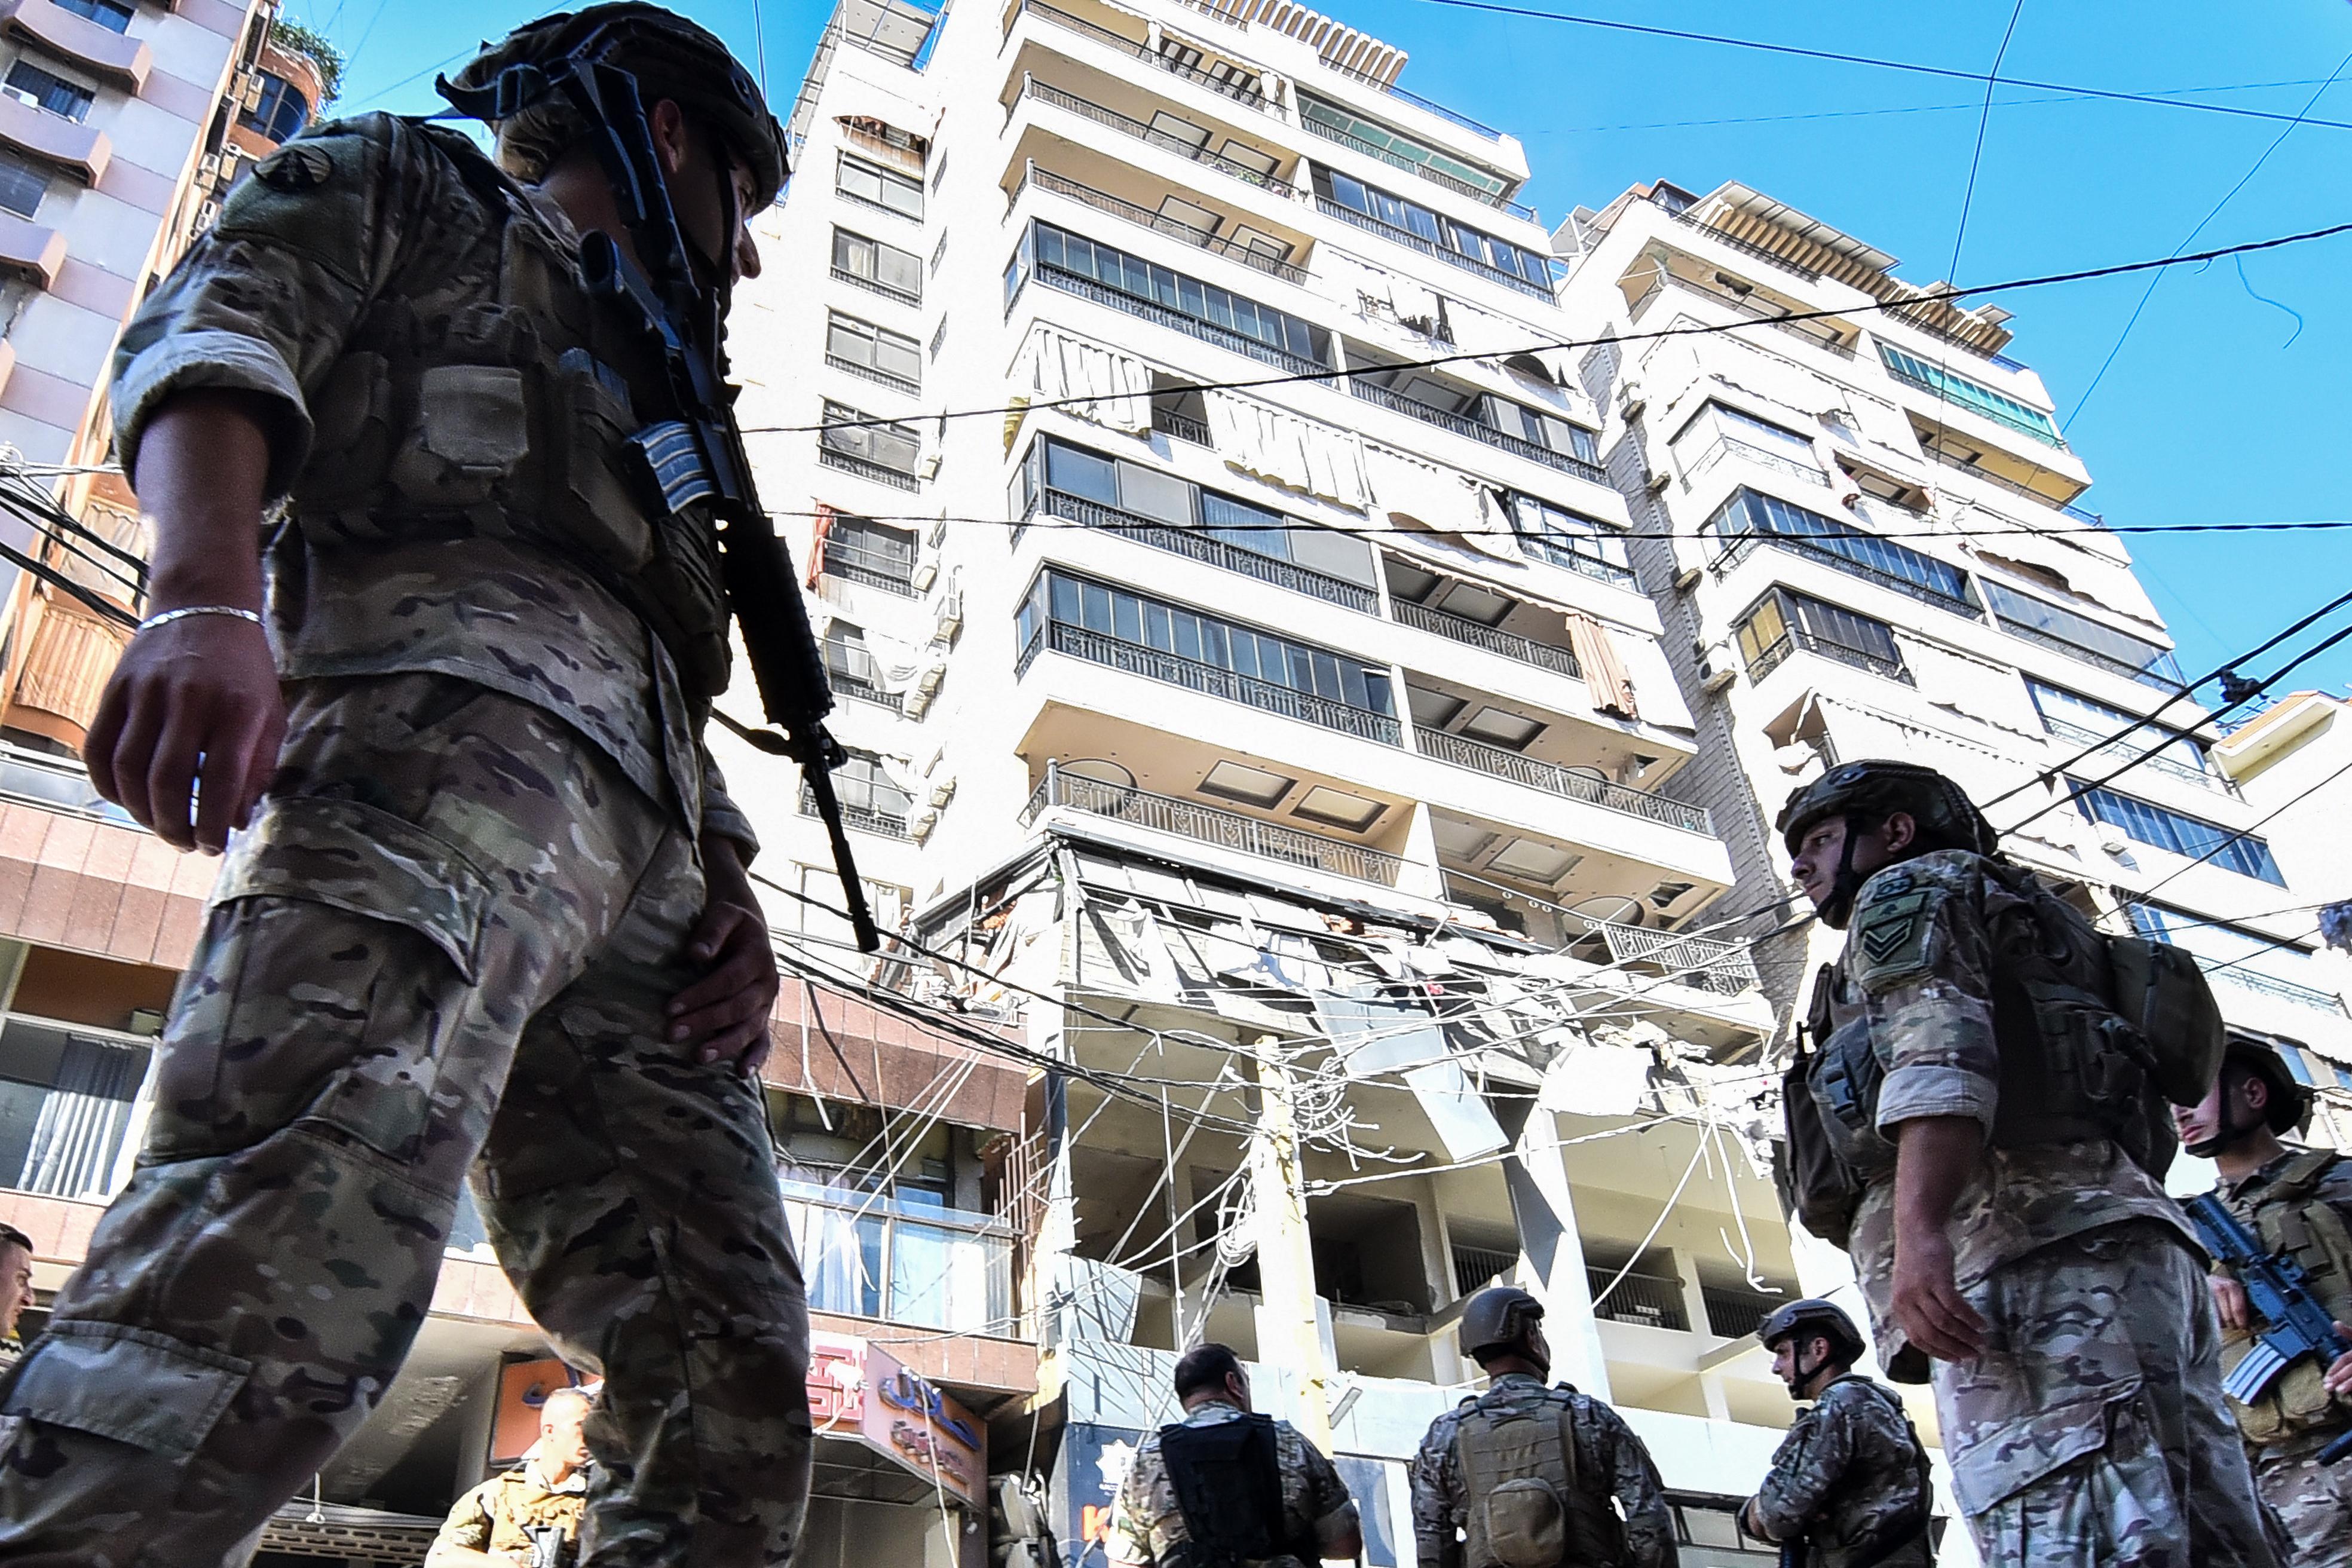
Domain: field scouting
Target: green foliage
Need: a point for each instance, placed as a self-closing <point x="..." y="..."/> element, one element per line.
<point x="297" y="40"/>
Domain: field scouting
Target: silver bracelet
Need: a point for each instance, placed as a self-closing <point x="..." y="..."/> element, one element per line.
<point x="168" y="616"/>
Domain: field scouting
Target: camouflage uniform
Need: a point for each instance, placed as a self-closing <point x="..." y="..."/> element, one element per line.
<point x="493" y="1516"/>
<point x="1849" y="1479"/>
<point x="2092" y="1429"/>
<point x="1605" y="1447"/>
<point x="2313" y="1501"/>
<point x="450" y="931"/>
<point x="1146" y="1523"/>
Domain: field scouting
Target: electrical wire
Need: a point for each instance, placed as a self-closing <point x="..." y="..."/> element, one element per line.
<point x="1984" y="119"/>
<point x="2241" y="834"/>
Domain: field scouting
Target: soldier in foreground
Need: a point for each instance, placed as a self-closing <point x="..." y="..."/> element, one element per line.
<point x="1523" y="1475"/>
<point x="2298" y="1203"/>
<point x="1224" y="1486"/>
<point x="1849" y="1485"/>
<point x="1979" y="1126"/>
<point x="490" y="900"/>
<point x="526" y="1517"/>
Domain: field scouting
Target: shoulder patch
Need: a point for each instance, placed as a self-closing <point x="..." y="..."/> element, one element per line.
<point x="296" y="167"/>
<point x="1893" y="937"/>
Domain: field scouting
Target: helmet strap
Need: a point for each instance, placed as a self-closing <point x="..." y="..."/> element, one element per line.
<point x="1845" y="886"/>
<point x="2232" y="1132"/>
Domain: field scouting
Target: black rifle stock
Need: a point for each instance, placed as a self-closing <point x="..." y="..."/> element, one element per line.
<point x="2280" y="1293"/>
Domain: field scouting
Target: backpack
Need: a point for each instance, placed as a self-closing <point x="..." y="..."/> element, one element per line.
<point x="1528" y="1505"/>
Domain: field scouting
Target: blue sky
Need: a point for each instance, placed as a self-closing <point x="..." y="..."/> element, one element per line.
<point x="2222" y="407"/>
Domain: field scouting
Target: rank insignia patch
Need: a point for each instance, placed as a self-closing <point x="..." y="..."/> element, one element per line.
<point x="1891" y="936"/>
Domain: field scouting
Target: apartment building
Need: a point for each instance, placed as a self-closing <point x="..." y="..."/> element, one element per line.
<point x="1298" y="767"/>
<point x="1868" y="537"/>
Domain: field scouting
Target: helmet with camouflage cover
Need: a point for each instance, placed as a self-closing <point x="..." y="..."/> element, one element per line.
<point x="1867" y="792"/>
<point x="2287" y="1109"/>
<point x="1496" y="1320"/>
<point x="670" y="56"/>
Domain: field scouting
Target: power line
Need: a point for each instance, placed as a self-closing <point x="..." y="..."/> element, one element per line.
<point x="1893" y="109"/>
<point x="1984" y="118"/>
<point x="1925" y="297"/>
<point x="2245" y="832"/>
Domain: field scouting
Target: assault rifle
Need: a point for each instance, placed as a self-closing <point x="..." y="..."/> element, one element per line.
<point x="2298" y="1326"/>
<point x="550" y="1547"/>
<point x="700" y="457"/>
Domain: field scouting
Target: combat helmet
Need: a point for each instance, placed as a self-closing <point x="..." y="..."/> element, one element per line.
<point x="1497" y="1319"/>
<point x="1811" y="1315"/>
<point x="2289" y="1109"/>
<point x="1868" y="792"/>
<point x="508" y="84"/>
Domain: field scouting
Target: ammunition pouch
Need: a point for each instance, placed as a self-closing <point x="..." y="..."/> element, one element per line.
<point x="1530" y="1507"/>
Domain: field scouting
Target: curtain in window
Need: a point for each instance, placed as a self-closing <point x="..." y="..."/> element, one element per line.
<point x="1596" y="655"/>
<point x="1265" y="442"/>
<point x="1118" y="385"/>
<point x="840" y="1253"/>
<point x="824" y="516"/>
<point x="83" y="1120"/>
<point x="1409" y="491"/>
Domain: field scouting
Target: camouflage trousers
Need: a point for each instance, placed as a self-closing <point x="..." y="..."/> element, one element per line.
<point x="2093" y="1430"/>
<point x="2314" y="1503"/>
<point x="449" y="932"/>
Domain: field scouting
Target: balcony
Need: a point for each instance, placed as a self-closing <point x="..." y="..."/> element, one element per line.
<point x="1135" y="658"/>
<point x="1462" y="424"/>
<point x="81" y="150"/>
<point x="876" y="285"/>
<point x="1371" y="225"/>
<point x="860" y="689"/>
<point x="865" y="818"/>
<point x="1206" y="548"/>
<point x="1239" y="92"/>
<point x="871" y="1255"/>
<point x="1567" y="783"/>
<point x="1810" y="550"/>
<point x="1728" y="449"/>
<point x="122" y="59"/>
<point x="2080" y="514"/>
<point x="1776" y="653"/>
<point x="1213" y="825"/>
<point x="880" y="377"/>
<point x="56" y="784"/>
<point x="1181" y="426"/>
<point x="1961" y="393"/>
<point x="1144" y="217"/>
<point x="864" y="468"/>
<point x="1112" y="120"/>
<point x="1086" y="287"/>
<point x="31" y="250"/>
<point x="1395" y="160"/>
<point x="1653" y="1301"/>
<point x="1710" y="963"/>
<point x="1475" y="128"/>
<point x="2285" y="990"/>
<point x="2137" y="749"/>
<point x="1462" y="629"/>
<point x="1750" y="247"/>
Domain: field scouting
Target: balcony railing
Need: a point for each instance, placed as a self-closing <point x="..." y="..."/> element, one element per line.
<point x="906" y="384"/>
<point x="1112" y="118"/>
<point x="2285" y="990"/>
<point x="1181" y="427"/>
<point x="1777" y="653"/>
<point x="867" y="1255"/>
<point x="1476" y="1266"/>
<point x="1215" y="826"/>
<point x="2135" y="750"/>
<point x="2162" y="680"/>
<point x="1371" y="225"/>
<point x="1728" y="448"/>
<point x="1239" y="92"/>
<point x="1396" y="160"/>
<point x="1474" y="127"/>
<point x="866" y="818"/>
<point x="1736" y="1314"/>
<point x="1648" y="1299"/>
<point x="1707" y="963"/>
<point x="1144" y="217"/>
<point x="1543" y="655"/>
<point x="846" y="684"/>
<point x="1208" y="549"/>
<point x="2079" y="514"/>
<point x="1462" y="424"/>
<point x="1191" y="326"/>
<point x="1152" y="664"/>
<point x="1810" y="550"/>
<point x="59" y="784"/>
<point x="2044" y="433"/>
<point x="1566" y="783"/>
<point x="876" y="285"/>
<point x="890" y="573"/>
<point x="866" y="468"/>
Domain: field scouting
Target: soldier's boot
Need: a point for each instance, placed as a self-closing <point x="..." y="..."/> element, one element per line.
<point x="633" y="1198"/>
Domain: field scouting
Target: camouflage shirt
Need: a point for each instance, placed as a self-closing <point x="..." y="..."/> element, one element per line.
<point x="1606" y="1448"/>
<point x="350" y="218"/>
<point x="1931" y="1024"/>
<point x="1848" y="1474"/>
<point x="1145" y="1521"/>
<point x="497" y="1515"/>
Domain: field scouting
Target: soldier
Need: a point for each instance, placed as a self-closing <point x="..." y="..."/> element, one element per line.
<point x="1849" y="1485"/>
<point x="2298" y="1203"/>
<point x="1224" y="1486"/>
<point x="526" y="1517"/>
<point x="491" y="897"/>
<point x="1522" y="1476"/>
<point x="1975" y="1126"/>
<point x="16" y="1290"/>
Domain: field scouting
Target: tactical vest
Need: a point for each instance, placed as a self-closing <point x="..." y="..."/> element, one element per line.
<point x="1227" y="1478"/>
<point x="2293" y="1219"/>
<point x="2072" y="1069"/>
<point x="1908" y="1544"/>
<point x="1526" y="1504"/>
<point x="503" y="406"/>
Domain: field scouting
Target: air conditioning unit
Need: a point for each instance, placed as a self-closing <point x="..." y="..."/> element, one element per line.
<point x="1658" y="482"/>
<point x="207" y="216"/>
<point x="943" y="791"/>
<point x="1688" y="578"/>
<point x="951" y="617"/>
<point x="208" y="168"/>
<point x="21" y="95"/>
<point x="933" y="673"/>
<point x="919" y="826"/>
<point x="1631" y="402"/>
<point x="1716" y="668"/>
<point x="251" y="97"/>
<point x="926" y="572"/>
<point x="929" y="468"/>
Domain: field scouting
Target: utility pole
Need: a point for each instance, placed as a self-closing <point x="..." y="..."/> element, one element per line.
<point x="1288" y="1330"/>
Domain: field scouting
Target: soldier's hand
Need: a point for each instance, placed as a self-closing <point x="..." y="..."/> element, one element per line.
<point x="193" y="709"/>
<point x="727" y="1010"/>
<point x="1928" y="1301"/>
<point x="2229" y="1300"/>
<point x="2338" y="1377"/>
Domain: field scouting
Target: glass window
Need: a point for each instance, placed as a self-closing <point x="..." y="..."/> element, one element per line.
<point x="1747" y="426"/>
<point x="1146" y="622"/>
<point x="878" y="348"/>
<point x="1079" y="472"/>
<point x="1569" y="538"/>
<point x="897" y="271"/>
<point x="892" y="445"/>
<point x="279" y="114"/>
<point x="1186" y="295"/>
<point x="1970" y="394"/>
<point x="2079" y="631"/>
<point x="872" y="548"/>
<point x="22" y="186"/>
<point x="1749" y="514"/>
<point x="2164" y="828"/>
<point x="1249" y="526"/>
<point x="1392" y="146"/>
<point x="862" y="785"/>
<point x="883" y="187"/>
<point x="105" y="13"/>
<point x="2059" y="706"/>
<point x="51" y="91"/>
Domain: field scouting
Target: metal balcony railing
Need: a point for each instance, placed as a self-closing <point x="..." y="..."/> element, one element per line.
<point x="1112" y="120"/>
<point x="1371" y="225"/>
<point x="1706" y="963"/>
<point x="1144" y="217"/>
<point x="1566" y="783"/>
<point x="876" y="285"/>
<point x="867" y="818"/>
<point x="1152" y="664"/>
<point x="1648" y="1299"/>
<point x="1474" y="127"/>
<point x="2286" y="990"/>
<point x="1191" y="326"/>
<point x="2138" y="750"/>
<point x="863" y="372"/>
<point x="1210" y="550"/>
<point x="1737" y="1314"/>
<point x="1773" y="654"/>
<point x="1474" y="1267"/>
<point x="1214" y="825"/>
<point x="890" y="573"/>
<point x="845" y="684"/>
<point x="1396" y="160"/>
<point x="1462" y="424"/>
<point x="1181" y="427"/>
<point x="1812" y="550"/>
<point x="1558" y="661"/>
<point x="2079" y="514"/>
<point x="1244" y="93"/>
<point x="866" y="468"/>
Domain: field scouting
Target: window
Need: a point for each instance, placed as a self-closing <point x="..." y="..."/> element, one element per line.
<point x="869" y="553"/>
<point x="886" y="450"/>
<point x="1548" y="431"/>
<point x="884" y="268"/>
<point x="111" y="13"/>
<point x="938" y="336"/>
<point x="869" y="797"/>
<point x="938" y="170"/>
<point x="1973" y="395"/>
<point x="849" y="662"/>
<point x="1433" y="232"/>
<point x="1395" y="148"/>
<point x="1782" y="623"/>
<point x="937" y="251"/>
<point x="51" y="91"/>
<point x="877" y="186"/>
<point x="1571" y="540"/>
<point x="22" y="186"/>
<point x="2081" y="719"/>
<point x="2046" y="623"/>
<point x="66" y="1098"/>
<point x="2164" y="828"/>
<point x="280" y="113"/>
<point x="1750" y="518"/>
<point x="1058" y="251"/>
<point x="876" y="353"/>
